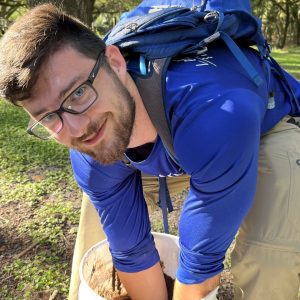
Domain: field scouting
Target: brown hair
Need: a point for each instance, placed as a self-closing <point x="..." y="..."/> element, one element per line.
<point x="30" y="41"/>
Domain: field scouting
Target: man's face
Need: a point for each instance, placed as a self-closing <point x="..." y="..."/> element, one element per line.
<point x="104" y="130"/>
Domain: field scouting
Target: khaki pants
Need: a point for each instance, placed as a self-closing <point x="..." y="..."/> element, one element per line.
<point x="266" y="258"/>
<point x="89" y="233"/>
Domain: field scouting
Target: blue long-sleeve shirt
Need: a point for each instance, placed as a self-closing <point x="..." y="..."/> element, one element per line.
<point x="217" y="116"/>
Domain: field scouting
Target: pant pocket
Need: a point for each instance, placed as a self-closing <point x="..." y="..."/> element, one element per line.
<point x="294" y="197"/>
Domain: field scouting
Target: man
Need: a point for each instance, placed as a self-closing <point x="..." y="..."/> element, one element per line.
<point x="79" y="92"/>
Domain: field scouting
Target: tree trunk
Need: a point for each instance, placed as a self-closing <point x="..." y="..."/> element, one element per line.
<point x="298" y="32"/>
<point x="82" y="9"/>
<point x="286" y="25"/>
<point x="296" y="27"/>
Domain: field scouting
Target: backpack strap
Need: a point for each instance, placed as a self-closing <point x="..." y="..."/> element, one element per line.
<point x="151" y="89"/>
<point x="164" y="198"/>
<point x="294" y="101"/>
<point x="165" y="201"/>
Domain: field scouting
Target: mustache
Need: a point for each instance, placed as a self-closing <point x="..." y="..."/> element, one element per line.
<point x="93" y="128"/>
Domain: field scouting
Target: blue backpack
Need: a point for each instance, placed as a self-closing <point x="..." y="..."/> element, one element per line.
<point x="156" y="31"/>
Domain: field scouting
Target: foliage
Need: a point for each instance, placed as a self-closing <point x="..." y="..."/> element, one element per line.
<point x="107" y="13"/>
<point x="48" y="223"/>
<point x="37" y="183"/>
<point x="281" y="20"/>
<point x="44" y="272"/>
<point x="9" y="11"/>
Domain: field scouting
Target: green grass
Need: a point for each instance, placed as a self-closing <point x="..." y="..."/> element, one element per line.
<point x="39" y="204"/>
<point x="289" y="59"/>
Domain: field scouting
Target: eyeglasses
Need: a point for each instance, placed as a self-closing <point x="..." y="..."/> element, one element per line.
<point x="77" y="102"/>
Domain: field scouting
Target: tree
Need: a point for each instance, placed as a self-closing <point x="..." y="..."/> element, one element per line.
<point x="295" y="13"/>
<point x="8" y="9"/>
<point x="284" y="7"/>
<point x="82" y="9"/>
<point x="281" y="20"/>
<point x="107" y="13"/>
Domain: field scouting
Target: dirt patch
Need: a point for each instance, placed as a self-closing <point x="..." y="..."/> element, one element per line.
<point x="14" y="215"/>
<point x="11" y="244"/>
<point x="226" y="288"/>
<point x="105" y="282"/>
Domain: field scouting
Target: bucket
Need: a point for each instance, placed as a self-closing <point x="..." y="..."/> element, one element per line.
<point x="166" y="245"/>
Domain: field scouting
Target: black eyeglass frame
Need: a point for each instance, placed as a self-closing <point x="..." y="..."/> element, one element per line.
<point x="62" y="109"/>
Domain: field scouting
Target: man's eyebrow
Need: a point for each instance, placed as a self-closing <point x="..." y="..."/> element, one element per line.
<point x="69" y="88"/>
<point x="65" y="92"/>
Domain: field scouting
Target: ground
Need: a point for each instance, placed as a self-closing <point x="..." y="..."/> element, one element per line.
<point x="19" y="250"/>
<point x="16" y="247"/>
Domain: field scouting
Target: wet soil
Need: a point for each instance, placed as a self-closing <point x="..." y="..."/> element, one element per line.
<point x="105" y="282"/>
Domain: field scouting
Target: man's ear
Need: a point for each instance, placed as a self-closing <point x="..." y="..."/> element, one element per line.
<point x="116" y="61"/>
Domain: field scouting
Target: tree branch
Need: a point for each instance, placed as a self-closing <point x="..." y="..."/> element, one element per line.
<point x="10" y="4"/>
<point x="278" y="5"/>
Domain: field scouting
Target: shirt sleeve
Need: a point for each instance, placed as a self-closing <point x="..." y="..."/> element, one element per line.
<point x="217" y="143"/>
<point x="116" y="192"/>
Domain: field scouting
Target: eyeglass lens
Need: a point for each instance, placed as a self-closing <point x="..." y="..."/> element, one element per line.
<point x="77" y="102"/>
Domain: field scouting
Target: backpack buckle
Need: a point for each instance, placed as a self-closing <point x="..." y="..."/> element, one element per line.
<point x="211" y="17"/>
<point x="269" y="48"/>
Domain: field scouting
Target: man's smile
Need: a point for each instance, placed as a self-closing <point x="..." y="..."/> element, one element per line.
<point x="95" y="136"/>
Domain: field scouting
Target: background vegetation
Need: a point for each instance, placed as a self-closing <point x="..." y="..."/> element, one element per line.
<point x="281" y="18"/>
<point x="39" y="200"/>
<point x="281" y="21"/>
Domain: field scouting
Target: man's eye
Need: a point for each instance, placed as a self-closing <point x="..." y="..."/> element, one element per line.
<point x="50" y="118"/>
<point x="79" y="92"/>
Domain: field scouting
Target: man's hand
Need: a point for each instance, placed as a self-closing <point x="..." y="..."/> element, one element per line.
<point x="145" y="285"/>
<point x="195" y="291"/>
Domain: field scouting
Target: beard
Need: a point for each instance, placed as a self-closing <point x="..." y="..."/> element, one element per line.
<point x="112" y="148"/>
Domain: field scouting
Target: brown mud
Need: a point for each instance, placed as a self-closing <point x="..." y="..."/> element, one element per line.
<point x="105" y="282"/>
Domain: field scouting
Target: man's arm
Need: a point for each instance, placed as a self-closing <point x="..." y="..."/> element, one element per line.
<point x="150" y="284"/>
<point x="116" y="191"/>
<point x="195" y="291"/>
<point x="221" y="157"/>
<point x="145" y="285"/>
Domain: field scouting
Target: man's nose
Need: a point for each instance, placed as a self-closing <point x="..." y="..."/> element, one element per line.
<point x="76" y="124"/>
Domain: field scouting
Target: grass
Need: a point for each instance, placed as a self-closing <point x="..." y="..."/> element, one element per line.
<point x="40" y="202"/>
<point x="290" y="60"/>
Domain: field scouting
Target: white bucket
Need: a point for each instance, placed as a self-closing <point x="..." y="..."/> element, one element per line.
<point x="168" y="249"/>
<point x="166" y="244"/>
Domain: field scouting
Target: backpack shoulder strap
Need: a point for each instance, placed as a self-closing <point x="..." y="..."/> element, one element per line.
<point x="151" y="90"/>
